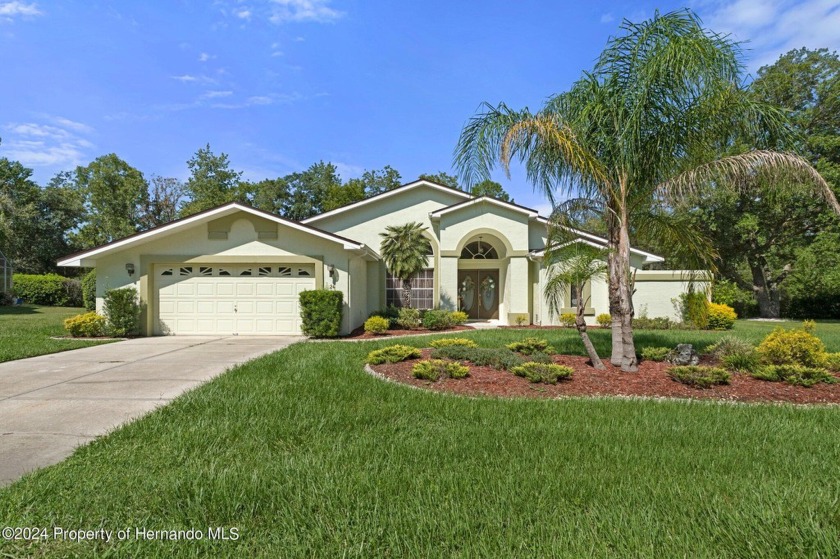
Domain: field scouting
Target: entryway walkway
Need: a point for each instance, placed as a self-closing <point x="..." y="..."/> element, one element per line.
<point x="51" y="404"/>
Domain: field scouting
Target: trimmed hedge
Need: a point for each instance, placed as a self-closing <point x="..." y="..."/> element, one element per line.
<point x="89" y="290"/>
<point x="88" y="325"/>
<point x="377" y="325"/>
<point x="321" y="312"/>
<point x="122" y="309"/>
<point x="50" y="290"/>
<point x="721" y="317"/>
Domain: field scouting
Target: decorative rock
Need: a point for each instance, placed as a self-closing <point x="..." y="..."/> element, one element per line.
<point x="684" y="354"/>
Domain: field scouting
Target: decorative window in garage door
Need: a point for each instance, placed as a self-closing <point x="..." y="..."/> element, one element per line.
<point x="297" y="270"/>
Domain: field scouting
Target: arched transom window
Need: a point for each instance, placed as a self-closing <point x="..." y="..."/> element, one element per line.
<point x="479" y="250"/>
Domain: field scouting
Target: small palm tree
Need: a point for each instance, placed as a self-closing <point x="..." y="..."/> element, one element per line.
<point x="405" y="251"/>
<point x="570" y="267"/>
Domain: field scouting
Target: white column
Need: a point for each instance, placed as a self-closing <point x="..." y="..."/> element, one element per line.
<point x="448" y="283"/>
<point x="519" y="286"/>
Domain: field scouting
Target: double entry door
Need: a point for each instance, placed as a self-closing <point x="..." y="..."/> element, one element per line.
<point x="478" y="293"/>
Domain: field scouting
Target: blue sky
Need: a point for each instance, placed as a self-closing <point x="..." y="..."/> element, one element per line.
<point x="280" y="84"/>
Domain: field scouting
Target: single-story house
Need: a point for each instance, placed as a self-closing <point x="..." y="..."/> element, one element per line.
<point x="238" y="270"/>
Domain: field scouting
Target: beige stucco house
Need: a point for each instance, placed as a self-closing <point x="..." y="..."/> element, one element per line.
<point x="238" y="270"/>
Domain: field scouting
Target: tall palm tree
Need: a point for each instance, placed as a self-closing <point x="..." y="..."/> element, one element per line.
<point x="571" y="266"/>
<point x="642" y="130"/>
<point x="405" y="251"/>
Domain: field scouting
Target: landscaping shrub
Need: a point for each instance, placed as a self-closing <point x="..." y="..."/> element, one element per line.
<point x="458" y="317"/>
<point x="540" y="357"/>
<point x="391" y="313"/>
<point x="433" y="369"/>
<point x="794" y="374"/>
<point x="408" y="318"/>
<point x="721" y="317"/>
<point x="484" y="357"/>
<point x="531" y="345"/>
<point x="743" y="302"/>
<point x="392" y="354"/>
<point x="604" y="320"/>
<point x="729" y="345"/>
<point x="49" y="290"/>
<point x="377" y="325"/>
<point x="437" y="319"/>
<point x="658" y="323"/>
<point x="522" y="320"/>
<point x="87" y="325"/>
<point x="542" y="372"/>
<point x="89" y="290"/>
<point x="655" y="353"/>
<point x="694" y="309"/>
<point x="746" y="362"/>
<point x="5" y="299"/>
<point x="567" y="319"/>
<point x="321" y="312"/>
<point x="792" y="347"/>
<point x="446" y="342"/>
<point x="832" y="362"/>
<point x="699" y="376"/>
<point x="122" y="309"/>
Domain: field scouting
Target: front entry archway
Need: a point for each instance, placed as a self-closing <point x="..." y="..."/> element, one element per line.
<point x="478" y="293"/>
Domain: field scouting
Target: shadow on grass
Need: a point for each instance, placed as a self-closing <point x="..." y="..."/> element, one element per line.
<point x="19" y="309"/>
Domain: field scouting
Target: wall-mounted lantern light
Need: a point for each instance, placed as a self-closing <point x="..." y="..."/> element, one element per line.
<point x="129" y="267"/>
<point x="331" y="271"/>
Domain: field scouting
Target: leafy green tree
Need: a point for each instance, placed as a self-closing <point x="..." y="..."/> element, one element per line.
<point x="212" y="182"/>
<point x="442" y="178"/>
<point x="310" y="190"/>
<point x="116" y="195"/>
<point x="18" y="211"/>
<point x="342" y="194"/>
<point x="634" y="134"/>
<point x="166" y="195"/>
<point x="404" y="250"/>
<point x="270" y="195"/>
<point x="572" y="266"/>
<point x="376" y="182"/>
<point x="491" y="189"/>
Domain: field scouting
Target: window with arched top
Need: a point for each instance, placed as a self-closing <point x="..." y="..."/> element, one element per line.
<point x="479" y="250"/>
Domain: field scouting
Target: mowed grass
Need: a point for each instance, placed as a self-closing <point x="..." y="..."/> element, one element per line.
<point x="308" y="456"/>
<point x="27" y="331"/>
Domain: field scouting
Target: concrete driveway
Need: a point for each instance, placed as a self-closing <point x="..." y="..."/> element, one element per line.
<point x="51" y="404"/>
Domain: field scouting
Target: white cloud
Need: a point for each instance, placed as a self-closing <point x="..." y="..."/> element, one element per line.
<point x="244" y="13"/>
<point x="772" y="28"/>
<point x="59" y="143"/>
<point x="10" y="10"/>
<point x="189" y="78"/>
<point x="607" y="18"/>
<point x="204" y="57"/>
<point x="303" y="10"/>
<point x="216" y="94"/>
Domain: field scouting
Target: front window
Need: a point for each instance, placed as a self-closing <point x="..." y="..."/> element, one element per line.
<point x="574" y="296"/>
<point x="479" y="250"/>
<point x="422" y="290"/>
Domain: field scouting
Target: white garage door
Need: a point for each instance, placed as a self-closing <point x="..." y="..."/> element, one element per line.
<point x="223" y="299"/>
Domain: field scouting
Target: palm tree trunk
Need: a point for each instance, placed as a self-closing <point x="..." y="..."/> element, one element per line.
<point x="629" y="362"/>
<point x="580" y="323"/>
<point x="406" y="293"/>
<point x="614" y="272"/>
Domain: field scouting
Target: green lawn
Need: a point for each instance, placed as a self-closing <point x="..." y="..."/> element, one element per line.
<point x="26" y="331"/>
<point x="307" y="456"/>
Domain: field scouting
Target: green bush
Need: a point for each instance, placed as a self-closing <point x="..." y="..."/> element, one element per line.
<point x="746" y="362"/>
<point x="391" y="313"/>
<point x="521" y="320"/>
<point x="543" y="372"/>
<point x="446" y="342"/>
<point x="49" y="290"/>
<point x="729" y="345"/>
<point x="699" y="376"/>
<point x="694" y="309"/>
<point x="434" y="369"/>
<point x="321" y="312"/>
<point x="408" y="318"/>
<point x="392" y="354"/>
<point x="377" y="325"/>
<point x="655" y="353"/>
<point x="658" y="323"/>
<point x="484" y="357"/>
<point x="89" y="290"/>
<point x="721" y="317"/>
<point x="122" y="309"/>
<point x="437" y="319"/>
<point x="540" y="357"/>
<point x="792" y="347"/>
<point x="567" y="319"/>
<point x="87" y="325"/>
<point x="795" y="374"/>
<point x="459" y="317"/>
<point x="531" y="345"/>
<point x="604" y="320"/>
<point x="832" y="362"/>
<point x="725" y="292"/>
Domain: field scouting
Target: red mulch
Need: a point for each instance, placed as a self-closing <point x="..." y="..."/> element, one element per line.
<point x="651" y="381"/>
<point x="359" y="333"/>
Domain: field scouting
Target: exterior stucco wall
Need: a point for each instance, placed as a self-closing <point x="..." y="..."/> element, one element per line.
<point x="193" y="246"/>
<point x="657" y="292"/>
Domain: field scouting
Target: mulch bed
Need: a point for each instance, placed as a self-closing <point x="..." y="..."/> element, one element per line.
<point x="650" y="381"/>
<point x="359" y="333"/>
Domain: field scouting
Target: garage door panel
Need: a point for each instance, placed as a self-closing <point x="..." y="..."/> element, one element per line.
<point x="218" y="300"/>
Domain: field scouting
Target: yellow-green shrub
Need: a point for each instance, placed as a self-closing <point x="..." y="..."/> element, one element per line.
<point x="832" y="362"/>
<point x="392" y="354"/>
<point x="377" y="325"/>
<point x="604" y="320"/>
<point x="567" y="319"/>
<point x="433" y="369"/>
<point x="458" y="317"/>
<point x="87" y="325"/>
<point x="721" y="317"/>
<point x="447" y="342"/>
<point x="792" y="347"/>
